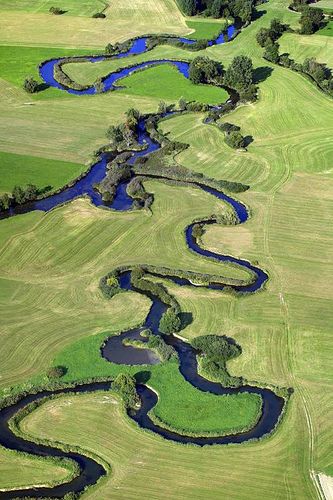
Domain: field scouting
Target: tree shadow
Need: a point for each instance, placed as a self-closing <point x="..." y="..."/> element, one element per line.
<point x="186" y="319"/>
<point x="261" y="74"/>
<point x="44" y="189"/>
<point x="257" y="14"/>
<point x="142" y="377"/>
<point x="247" y="140"/>
<point x="42" y="86"/>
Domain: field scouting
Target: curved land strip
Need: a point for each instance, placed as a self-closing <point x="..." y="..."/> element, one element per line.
<point x="272" y="405"/>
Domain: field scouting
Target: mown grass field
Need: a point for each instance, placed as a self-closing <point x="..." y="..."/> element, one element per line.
<point x="70" y="7"/>
<point x="205" y="29"/>
<point x="50" y="264"/>
<point x="142" y="462"/>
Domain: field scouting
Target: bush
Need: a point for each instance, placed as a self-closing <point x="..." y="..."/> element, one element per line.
<point x="311" y="20"/>
<point x="99" y="86"/>
<point x="204" y="70"/>
<point x="170" y="322"/>
<point x="235" y="140"/>
<point x="124" y="385"/>
<point x="109" y="285"/>
<point x="30" y="85"/>
<point x="56" y="372"/>
<point x="109" y="49"/>
<point x="272" y="52"/>
<point x="99" y="15"/>
<point x="56" y="10"/>
<point x="5" y="202"/>
<point x="214" y="352"/>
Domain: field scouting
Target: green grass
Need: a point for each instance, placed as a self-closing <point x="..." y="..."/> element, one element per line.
<point x="22" y="470"/>
<point x="175" y="86"/>
<point x="50" y="264"/>
<point x="205" y="29"/>
<point x="43" y="172"/>
<point x="71" y="7"/>
<point x="144" y="465"/>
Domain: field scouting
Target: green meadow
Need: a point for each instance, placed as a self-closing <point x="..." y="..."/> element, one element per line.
<point x="45" y="173"/>
<point x="50" y="263"/>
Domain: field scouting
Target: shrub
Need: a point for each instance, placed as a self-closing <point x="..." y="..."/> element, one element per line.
<point x="99" y="86"/>
<point x="109" y="285"/>
<point x="124" y="385"/>
<point x="169" y="322"/>
<point x="109" y="49"/>
<point x="4" y="202"/>
<point x="56" y="10"/>
<point x="30" y="85"/>
<point x="271" y="52"/>
<point x="99" y="15"/>
<point x="235" y="140"/>
<point x="214" y="352"/>
<point x="311" y="20"/>
<point x="56" y="372"/>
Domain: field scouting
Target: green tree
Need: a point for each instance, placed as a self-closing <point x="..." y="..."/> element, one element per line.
<point x="272" y="52"/>
<point x="115" y="134"/>
<point x="30" y="85"/>
<point x="30" y="192"/>
<point x="263" y="36"/>
<point x="203" y="70"/>
<point x="124" y="385"/>
<point x="169" y="322"/>
<point x="18" y="195"/>
<point x="239" y="74"/>
<point x="235" y="140"/>
<point x="189" y="7"/>
<point x="243" y="9"/>
<point x="4" y="202"/>
<point x="132" y="118"/>
<point x="217" y="8"/>
<point x="182" y="104"/>
<point x="109" y="49"/>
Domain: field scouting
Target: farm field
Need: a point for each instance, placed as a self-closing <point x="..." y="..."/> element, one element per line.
<point x="54" y="314"/>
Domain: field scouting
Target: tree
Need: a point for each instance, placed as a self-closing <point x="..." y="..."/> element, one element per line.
<point x="124" y="385"/>
<point x="263" y="36"/>
<point x="109" y="49"/>
<point x="243" y="10"/>
<point x="99" y="86"/>
<point x="272" y="52"/>
<point x="132" y="118"/>
<point x="18" y="195"/>
<point x="4" y="202"/>
<point x="31" y="192"/>
<point x="115" y="134"/>
<point x="311" y="20"/>
<point x="239" y="74"/>
<point x="189" y="7"/>
<point x="235" y="140"/>
<point x="204" y="70"/>
<point x="169" y="322"/>
<point x="182" y="104"/>
<point x="162" y="108"/>
<point x="276" y="29"/>
<point x="56" y="10"/>
<point x="217" y="8"/>
<point x="30" y="85"/>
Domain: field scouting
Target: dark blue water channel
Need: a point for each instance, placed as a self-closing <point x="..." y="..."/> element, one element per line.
<point x="114" y="350"/>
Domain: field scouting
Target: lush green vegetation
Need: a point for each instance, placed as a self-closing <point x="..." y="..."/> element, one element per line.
<point x="51" y="263"/>
<point x="205" y="30"/>
<point x="45" y="173"/>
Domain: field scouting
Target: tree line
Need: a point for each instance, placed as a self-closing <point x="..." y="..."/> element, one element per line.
<point x="18" y="196"/>
<point x="241" y="10"/>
